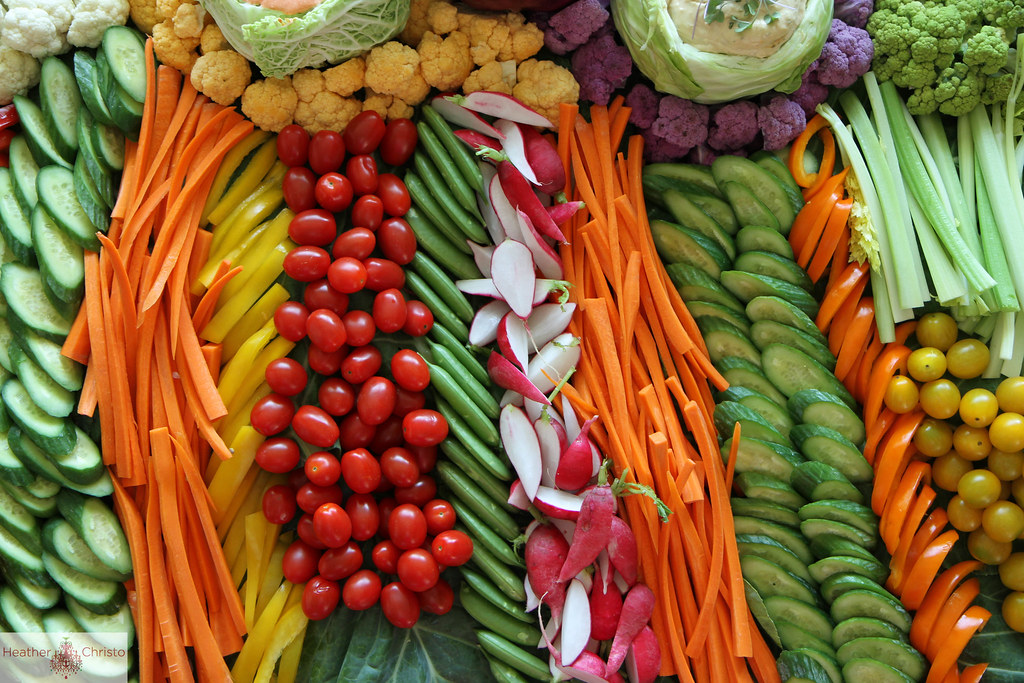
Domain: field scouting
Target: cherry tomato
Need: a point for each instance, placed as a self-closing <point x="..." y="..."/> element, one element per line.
<point x="385" y="506"/>
<point x="322" y="468"/>
<point x="313" y="226"/>
<point x="361" y="364"/>
<point x="410" y="370"/>
<point x="424" y="427"/>
<point x="347" y="275"/>
<point x="407" y="401"/>
<point x="363" y="133"/>
<point x="388" y="434"/>
<point x="438" y="599"/>
<point x="385" y="557"/>
<point x="286" y="376"/>
<point x="407" y="526"/>
<point x="278" y="455"/>
<point x="355" y="433"/>
<point x="310" y="496"/>
<point x="368" y="212"/>
<point x="355" y="242"/>
<point x="418" y="569"/>
<point x="400" y="605"/>
<point x="290" y="320"/>
<point x="306" y="533"/>
<point x="325" y="362"/>
<point x="418" y="319"/>
<point x="333" y="192"/>
<point x="376" y="400"/>
<point x="272" y="414"/>
<point x="339" y="563"/>
<point x="399" y="142"/>
<point x="299" y="561"/>
<point x="359" y="327"/>
<point x="440" y="516"/>
<point x="420" y="493"/>
<point x="397" y="240"/>
<point x="389" y="310"/>
<point x="306" y="264"/>
<point x="319" y="598"/>
<point x="332" y="525"/>
<point x="336" y="396"/>
<point x="299" y="188"/>
<point x="383" y="274"/>
<point x="399" y="466"/>
<point x="325" y="330"/>
<point x="279" y="504"/>
<point x="361" y="170"/>
<point x="296" y="479"/>
<point x="326" y="151"/>
<point x="293" y="145"/>
<point x="315" y="426"/>
<point x="360" y="470"/>
<point x="452" y="548"/>
<point x="393" y="194"/>
<point x="364" y="514"/>
<point x="361" y="590"/>
<point x="967" y="358"/>
<point x="320" y="294"/>
<point x="426" y="457"/>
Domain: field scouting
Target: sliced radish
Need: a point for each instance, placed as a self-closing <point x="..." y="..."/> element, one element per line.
<point x="503" y="210"/>
<point x="588" y="668"/>
<point x="512" y="271"/>
<point x="546" y="286"/>
<point x="575" y="621"/>
<point x="513" y="340"/>
<point x="544" y="160"/>
<point x="482" y="257"/>
<point x="495" y="230"/>
<point x="546" y="322"/>
<point x="507" y="376"/>
<point x="576" y="466"/>
<point x="522" y="447"/>
<point x="517" y="497"/>
<point x="562" y="212"/>
<point x="643" y="661"/>
<point x="558" y="504"/>
<point x="550" y="449"/>
<point x="454" y="112"/>
<point x="515" y="147"/>
<point x="547" y="259"/>
<point x="569" y="417"/>
<point x="566" y="527"/>
<point x="531" y="598"/>
<point x="503" y="106"/>
<point x="533" y="409"/>
<point x="554" y="360"/>
<point x="477" y="141"/>
<point x="484" y="328"/>
<point x="481" y="286"/>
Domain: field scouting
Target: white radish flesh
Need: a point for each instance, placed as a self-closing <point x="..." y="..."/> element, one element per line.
<point x="515" y="147"/>
<point x="531" y="598"/>
<point x="514" y="276"/>
<point x="547" y="322"/>
<point x="575" y="621"/>
<point x="566" y="527"/>
<point x="517" y="497"/>
<point x="462" y="116"/>
<point x="547" y="259"/>
<point x="556" y="358"/>
<point x="508" y="376"/>
<point x="482" y="257"/>
<point x="513" y="340"/>
<point x="558" y="504"/>
<point x="504" y="211"/>
<point x="503" y="106"/>
<point x="481" y="286"/>
<point x="484" y="328"/>
<point x="495" y="230"/>
<point x="522" y="447"/>
<point x="550" y="450"/>
<point x="569" y="417"/>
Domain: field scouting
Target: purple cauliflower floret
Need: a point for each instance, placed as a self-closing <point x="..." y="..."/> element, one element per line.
<point x="601" y="66"/>
<point x="702" y="154"/>
<point x="811" y="92"/>
<point x="734" y="126"/>
<point x="854" y="12"/>
<point x="643" y="104"/>
<point x="681" y="125"/>
<point x="780" y="121"/>
<point x="574" y="25"/>
<point x="846" y="56"/>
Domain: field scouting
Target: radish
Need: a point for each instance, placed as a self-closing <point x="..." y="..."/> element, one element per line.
<point x="514" y="145"/>
<point x="544" y="287"/>
<point x="615" y="677"/>
<point x="461" y="116"/>
<point x="521" y="196"/>
<point x="507" y="376"/>
<point x="588" y="668"/>
<point x="636" y="612"/>
<point x="514" y="277"/>
<point x="622" y="550"/>
<point x="482" y="257"/>
<point x="495" y="230"/>
<point x="543" y="159"/>
<point x="563" y="211"/>
<point x="546" y="322"/>
<point x="532" y="601"/>
<point x="558" y="504"/>
<point x="567" y="527"/>
<point x="521" y="446"/>
<point x="477" y="141"/>
<point x="500" y="105"/>
<point x="550" y="448"/>
<point x="517" y="497"/>
<point x="576" y="466"/>
<point x="485" y="286"/>
<point x="503" y="210"/>
<point x="513" y="340"/>
<point x="643" y="660"/>
<point x="569" y="417"/>
<point x="479" y="286"/>
<point x="547" y="259"/>
<point x="593" y="527"/>
<point x="554" y="361"/>
<point x="605" y="609"/>
<point x="484" y="328"/>
<point x="576" y="621"/>
<point x="545" y="552"/>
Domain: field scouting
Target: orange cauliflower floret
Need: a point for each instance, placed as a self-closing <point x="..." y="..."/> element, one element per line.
<point x="221" y="75"/>
<point x="417" y="24"/>
<point x="487" y="33"/>
<point x="543" y="85"/>
<point x="211" y="39"/>
<point x="270" y="103"/>
<point x="346" y="78"/>
<point x="445" y="62"/>
<point x="494" y="76"/>
<point x="188" y="20"/>
<point x="524" y="39"/>
<point x="143" y="14"/>
<point x="388" y="106"/>
<point x="394" y="69"/>
<point x="442" y="17"/>
<point x="165" y="9"/>
<point x="327" y="111"/>
<point x="308" y="83"/>
<point x="172" y="49"/>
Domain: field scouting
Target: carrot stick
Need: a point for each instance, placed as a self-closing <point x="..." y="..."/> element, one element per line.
<point x="76" y="344"/>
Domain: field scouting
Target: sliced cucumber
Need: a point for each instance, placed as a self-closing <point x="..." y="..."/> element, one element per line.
<point x="718" y="209"/>
<point x="727" y="413"/>
<point x="864" y="627"/>
<point x="28" y="305"/>
<point x="749" y="208"/>
<point x="770" y="549"/>
<point x="745" y="286"/>
<point x="795" y="667"/>
<point x="776" y="415"/>
<point x="706" y="309"/>
<point x="767" y="487"/>
<point x="33" y="127"/>
<point x="743" y="373"/>
<point x="762" y="238"/>
<point x="61" y="259"/>
<point x="99" y="527"/>
<point x="56" y="188"/>
<point x="39" y="506"/>
<point x="61" y="540"/>
<point x="808" y="616"/>
<point x="695" y="284"/>
<point x="688" y="214"/>
<point x="6" y="341"/>
<point x="758" y="183"/>
<point x="785" y="535"/>
<point x="87" y="73"/>
<point x="827" y="663"/>
<point x="725" y="339"/>
<point x="766" y="457"/>
<point x="836" y="585"/>
<point x="21" y="558"/>
<point x="769" y="578"/>
<point x="845" y="511"/>
<point x="39" y="597"/>
<point x="678" y="244"/>
<point x="97" y="211"/>
<point x="818" y="480"/>
<point x="125" y="53"/>
<point x="64" y="371"/>
<point x="21" y="616"/>
<point x="23" y="173"/>
<point x="41" y="463"/>
<point x="829" y="545"/>
<point x="17" y="519"/>
<point x="108" y="141"/>
<point x="52" y="434"/>
<point x="864" y="669"/>
<point x="694" y="174"/>
<point x="829" y="446"/>
<point x="106" y="629"/>
<point x="814" y="406"/>
<point x="83" y="464"/>
<point x="792" y="370"/>
<point x="845" y="564"/>
<point x="12" y="470"/>
<point x="773" y="265"/>
<point x="816" y="526"/>
<point x="15" y="228"/>
<point x="95" y="163"/>
<point x="777" y="167"/>
<point x="102" y="597"/>
<point x="795" y="637"/>
<point x="765" y="510"/>
<point x="898" y="654"/>
<point x="61" y="100"/>
<point x="781" y="311"/>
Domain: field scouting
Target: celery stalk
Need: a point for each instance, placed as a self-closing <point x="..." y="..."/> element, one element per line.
<point x="1012" y="366"/>
<point x="935" y="138"/>
<point x="950" y="284"/>
<point x="884" y="322"/>
<point x="965" y="154"/>
<point x="1004" y="295"/>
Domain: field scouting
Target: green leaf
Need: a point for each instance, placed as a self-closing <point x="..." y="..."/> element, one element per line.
<point x="324" y="647"/>
<point x="996" y="644"/>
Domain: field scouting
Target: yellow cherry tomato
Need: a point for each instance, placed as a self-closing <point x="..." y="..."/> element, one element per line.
<point x="1013" y="611"/>
<point x="1011" y="572"/>
<point x="926" y="364"/>
<point x="948" y="469"/>
<point x="1007" y="432"/>
<point x="1003" y="521"/>
<point x="1006" y="465"/>
<point x="940" y="398"/>
<point x="979" y="488"/>
<point x="962" y="516"/>
<point x="933" y="437"/>
<point x="986" y="549"/>
<point x="967" y="358"/>
<point x="936" y="329"/>
<point x="971" y="442"/>
<point x="1010" y="394"/>
<point x="901" y="394"/>
<point x="978" y="407"/>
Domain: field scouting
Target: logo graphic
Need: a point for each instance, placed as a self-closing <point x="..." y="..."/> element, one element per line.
<point x="66" y="661"/>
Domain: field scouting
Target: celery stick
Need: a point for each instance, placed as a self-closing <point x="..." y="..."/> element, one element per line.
<point x="1012" y="367"/>
<point x="884" y="322"/>
<point x="1004" y="296"/>
<point x="965" y="154"/>
<point x="950" y="284"/>
<point x="931" y="166"/>
<point x="934" y="136"/>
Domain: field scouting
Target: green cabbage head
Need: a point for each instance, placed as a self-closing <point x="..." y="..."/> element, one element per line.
<point x="718" y="61"/>
<point x="333" y="31"/>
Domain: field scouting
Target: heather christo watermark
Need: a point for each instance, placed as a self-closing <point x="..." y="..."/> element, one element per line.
<point x="71" y="657"/>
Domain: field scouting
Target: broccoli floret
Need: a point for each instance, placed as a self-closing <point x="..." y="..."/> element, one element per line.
<point x="987" y="49"/>
<point x="922" y="101"/>
<point x="958" y="90"/>
<point x="1006" y="14"/>
<point x="997" y="88"/>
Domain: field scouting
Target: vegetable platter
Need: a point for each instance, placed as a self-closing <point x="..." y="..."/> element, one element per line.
<point x="513" y="340"/>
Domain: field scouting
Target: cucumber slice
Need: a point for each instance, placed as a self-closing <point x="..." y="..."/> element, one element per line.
<point x="95" y="208"/>
<point x="61" y="259"/>
<point x="695" y="174"/>
<point x="777" y="167"/>
<point x="12" y="470"/>
<point x="799" y="668"/>
<point x="767" y="487"/>
<point x="765" y="332"/>
<point x="781" y="311"/>
<point x="776" y="415"/>
<point x="98" y="172"/>
<point x="727" y="413"/>
<point x="35" y="459"/>
<point x="815" y="527"/>
<point x="42" y="488"/>
<point x="829" y="545"/>
<point x="718" y="209"/>
<point x="23" y="173"/>
<point x="759" y="183"/>
<point x="827" y="663"/>
<point x="817" y="480"/>
<point x="769" y="578"/>
<point x="773" y="265"/>
<point x="125" y="54"/>
<point x="745" y="286"/>
<point x="19" y="614"/>
<point x="688" y="214"/>
<point x="20" y="523"/>
<point x="99" y="527"/>
<point x="61" y="540"/>
<point x="845" y="511"/>
<point x="765" y="510"/>
<point x="108" y="630"/>
<point x="762" y="238"/>
<point x="33" y="127"/>
<point x="785" y="535"/>
<point x="24" y="560"/>
<point x="51" y="397"/>
<point x="108" y="141"/>
<point x="813" y="406"/>
<point x="864" y="627"/>
<point x="706" y="309"/>
<point x="770" y="549"/>
<point x="829" y="446"/>
<point x="749" y="209"/>
<point x="836" y="585"/>
<point x="725" y="339"/>
<point x="15" y="228"/>
<point x="56" y="188"/>
<point x="808" y="616"/>
<point x="38" y="597"/>
<point x="844" y="564"/>
<point x="101" y="597"/>
<point x="792" y="370"/>
<point x="41" y="507"/>
<point x="64" y="371"/>
<point x="61" y="100"/>
<point x="6" y="341"/>
<point x="739" y="372"/>
<point x="864" y="669"/>
<point x="52" y="434"/>
<point x="695" y="284"/>
<point x="766" y="457"/>
<point x="87" y="73"/>
<point x="678" y="244"/>
<point x="794" y="637"/>
<point x="896" y="653"/>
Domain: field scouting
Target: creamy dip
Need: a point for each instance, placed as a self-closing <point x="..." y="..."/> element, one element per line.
<point x="287" y="6"/>
<point x="761" y="39"/>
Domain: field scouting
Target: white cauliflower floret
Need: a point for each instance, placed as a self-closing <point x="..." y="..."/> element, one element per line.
<point x="31" y="30"/>
<point x="92" y="18"/>
<point x="60" y="12"/>
<point x="19" y="72"/>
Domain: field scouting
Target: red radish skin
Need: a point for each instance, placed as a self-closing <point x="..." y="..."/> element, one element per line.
<point x="477" y="141"/>
<point x="644" y="659"/>
<point x="502" y="106"/>
<point x="622" y="550"/>
<point x="588" y="668"/>
<point x="507" y="376"/>
<point x="550" y="446"/>
<point x="515" y="149"/>
<point x="637" y="608"/>
<point x="576" y="466"/>
<point x="484" y="328"/>
<point x="558" y="504"/>
<point x="546" y="550"/>
<point x="548" y="262"/>
<point x="517" y="497"/>
<point x="461" y="116"/>
<point x="521" y="196"/>
<point x="514" y="340"/>
<point x="562" y="212"/>
<point x="593" y="528"/>
<point x="616" y="677"/>
<point x="543" y="159"/>
<point x="605" y="608"/>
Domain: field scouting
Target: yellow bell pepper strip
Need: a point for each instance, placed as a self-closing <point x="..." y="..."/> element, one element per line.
<point x="256" y="643"/>
<point x="232" y="310"/>
<point x="253" y="174"/>
<point x="232" y="160"/>
<point x="292" y="624"/>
